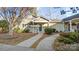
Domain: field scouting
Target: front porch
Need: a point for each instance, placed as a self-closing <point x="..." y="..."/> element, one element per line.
<point x="37" y="27"/>
<point x="71" y="25"/>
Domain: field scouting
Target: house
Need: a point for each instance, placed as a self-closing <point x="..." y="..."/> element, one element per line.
<point x="57" y="24"/>
<point x="71" y="23"/>
<point x="35" y="24"/>
<point x="38" y="24"/>
<point x="68" y="24"/>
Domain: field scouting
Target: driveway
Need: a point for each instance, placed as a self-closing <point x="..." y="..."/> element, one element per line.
<point x="46" y="44"/>
<point x="29" y="42"/>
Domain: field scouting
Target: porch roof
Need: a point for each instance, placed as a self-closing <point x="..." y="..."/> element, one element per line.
<point x="55" y="21"/>
<point x="71" y="17"/>
<point x="40" y="20"/>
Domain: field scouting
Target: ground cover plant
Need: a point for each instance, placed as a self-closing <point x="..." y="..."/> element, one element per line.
<point x="67" y="41"/>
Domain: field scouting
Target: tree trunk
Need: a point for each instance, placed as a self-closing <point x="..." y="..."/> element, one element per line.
<point x="10" y="29"/>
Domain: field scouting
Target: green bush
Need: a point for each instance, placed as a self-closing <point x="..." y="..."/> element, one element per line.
<point x="26" y="30"/>
<point x="48" y="30"/>
<point x="18" y="30"/>
<point x="60" y="39"/>
<point x="54" y="30"/>
<point x="4" y="25"/>
<point x="74" y="36"/>
<point x="68" y="41"/>
<point x="64" y="34"/>
<point x="69" y="38"/>
<point x="65" y="40"/>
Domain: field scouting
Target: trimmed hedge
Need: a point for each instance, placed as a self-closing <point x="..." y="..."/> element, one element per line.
<point x="54" y="30"/>
<point x="48" y="30"/>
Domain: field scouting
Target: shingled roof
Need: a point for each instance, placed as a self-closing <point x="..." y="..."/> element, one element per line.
<point x="71" y="17"/>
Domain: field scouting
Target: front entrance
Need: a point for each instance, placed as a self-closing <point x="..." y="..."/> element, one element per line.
<point x="40" y="28"/>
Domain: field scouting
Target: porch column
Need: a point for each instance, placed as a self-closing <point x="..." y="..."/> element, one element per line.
<point x="33" y="25"/>
<point x="63" y="27"/>
<point x="48" y="23"/>
<point x="70" y="23"/>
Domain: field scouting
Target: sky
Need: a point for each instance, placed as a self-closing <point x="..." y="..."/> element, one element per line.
<point x="54" y="12"/>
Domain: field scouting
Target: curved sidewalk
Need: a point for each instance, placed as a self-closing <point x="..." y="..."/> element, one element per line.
<point x="29" y="42"/>
<point x="46" y="44"/>
<point x="4" y="47"/>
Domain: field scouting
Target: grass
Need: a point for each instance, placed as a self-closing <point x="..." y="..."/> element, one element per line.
<point x="38" y="41"/>
<point x="19" y="37"/>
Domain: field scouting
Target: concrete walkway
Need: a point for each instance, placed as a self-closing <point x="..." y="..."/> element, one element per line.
<point x="46" y="44"/>
<point x="4" y="47"/>
<point x="29" y="42"/>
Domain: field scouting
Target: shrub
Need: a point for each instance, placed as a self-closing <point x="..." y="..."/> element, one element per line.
<point x="68" y="41"/>
<point x="74" y="36"/>
<point x="4" y="25"/>
<point x="64" y="34"/>
<point x="48" y="30"/>
<point x="65" y="40"/>
<point x="54" y="30"/>
<point x="60" y="31"/>
<point x="18" y="30"/>
<point x="60" y="39"/>
<point x="69" y="38"/>
<point x="26" y="30"/>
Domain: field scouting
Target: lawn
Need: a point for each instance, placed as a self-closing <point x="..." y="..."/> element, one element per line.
<point x="18" y="37"/>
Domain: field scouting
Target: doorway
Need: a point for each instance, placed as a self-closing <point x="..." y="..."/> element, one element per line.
<point x="40" y="27"/>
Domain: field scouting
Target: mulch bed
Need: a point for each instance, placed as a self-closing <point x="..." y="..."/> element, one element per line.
<point x="60" y="46"/>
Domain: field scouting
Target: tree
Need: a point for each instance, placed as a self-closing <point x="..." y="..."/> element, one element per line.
<point x="12" y="14"/>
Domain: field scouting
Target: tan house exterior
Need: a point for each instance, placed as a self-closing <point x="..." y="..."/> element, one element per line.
<point x="38" y="24"/>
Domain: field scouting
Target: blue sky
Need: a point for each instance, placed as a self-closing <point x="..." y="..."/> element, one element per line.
<point x="54" y="12"/>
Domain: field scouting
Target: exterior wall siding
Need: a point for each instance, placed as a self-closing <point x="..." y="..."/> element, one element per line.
<point x="59" y="27"/>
